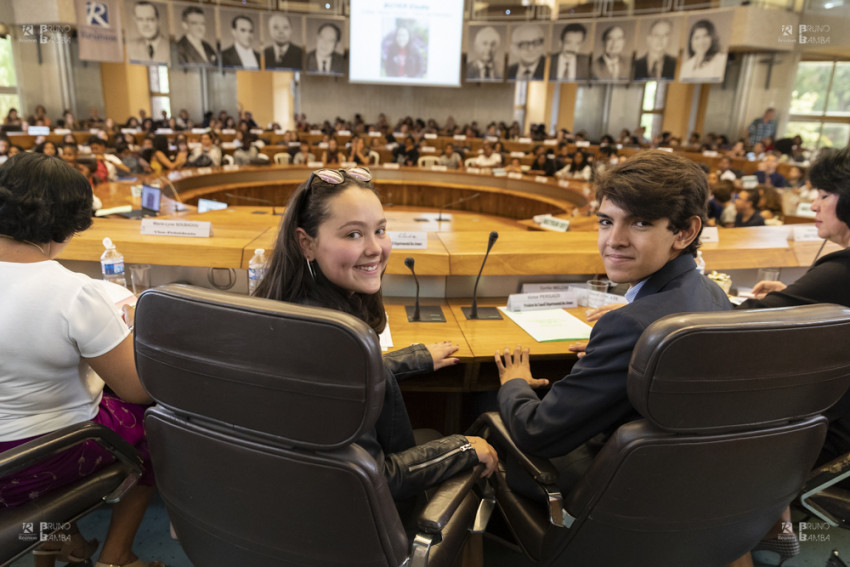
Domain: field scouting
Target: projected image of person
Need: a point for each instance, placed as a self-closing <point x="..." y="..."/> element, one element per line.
<point x="706" y="61"/>
<point x="528" y="42"/>
<point x="569" y="64"/>
<point x="486" y="56"/>
<point x="324" y="58"/>
<point x="403" y="53"/>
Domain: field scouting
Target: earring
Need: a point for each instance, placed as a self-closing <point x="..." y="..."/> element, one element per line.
<point x="310" y="269"/>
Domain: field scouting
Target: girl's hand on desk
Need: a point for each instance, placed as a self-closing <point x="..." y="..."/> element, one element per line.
<point x="764" y="287"/>
<point x="516" y="366"/>
<point x="440" y="353"/>
<point x="579" y="349"/>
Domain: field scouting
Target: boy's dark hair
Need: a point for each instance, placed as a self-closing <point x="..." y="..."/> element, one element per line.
<point x="722" y="191"/>
<point x="657" y="184"/>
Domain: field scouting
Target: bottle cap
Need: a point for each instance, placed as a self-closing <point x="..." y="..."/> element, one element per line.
<point x="259" y="250"/>
<point x="107" y="243"/>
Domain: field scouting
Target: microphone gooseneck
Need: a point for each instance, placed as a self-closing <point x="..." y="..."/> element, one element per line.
<point x="409" y="262"/>
<point x="253" y="199"/>
<point x="454" y="203"/>
<point x="473" y="313"/>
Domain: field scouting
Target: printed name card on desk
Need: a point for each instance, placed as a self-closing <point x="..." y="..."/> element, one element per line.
<point x="550" y="142"/>
<point x="514" y="175"/>
<point x="547" y="287"/>
<point x="170" y="131"/>
<point x="428" y="149"/>
<point x="583" y="144"/>
<point x="554" y="223"/>
<point x="491" y="138"/>
<point x="257" y="131"/>
<point x="198" y="130"/>
<point x="322" y="145"/>
<point x="63" y="131"/>
<point x="315" y="164"/>
<point x="232" y="131"/>
<point x="517" y="154"/>
<point x="409" y="240"/>
<point x="344" y="133"/>
<point x="749" y="181"/>
<point x="159" y="227"/>
<point x="524" y="140"/>
<point x="459" y="137"/>
<point x="203" y="170"/>
<point x="537" y="301"/>
<point x="294" y="144"/>
<point x="391" y="166"/>
<point x="563" y="183"/>
<point x="38" y="130"/>
<point x="666" y="150"/>
<point x="710" y="234"/>
<point x="94" y="131"/>
<point x="430" y="136"/>
<point x="230" y="167"/>
<point x="439" y="168"/>
<point x="805" y="233"/>
<point x="348" y="164"/>
<point x="374" y="134"/>
<point x="541" y="179"/>
<point x="473" y="170"/>
<point x="709" y="153"/>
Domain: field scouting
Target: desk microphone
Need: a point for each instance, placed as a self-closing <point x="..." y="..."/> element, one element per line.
<point x="427" y="313"/>
<point x="180" y="206"/>
<point x="485" y="312"/>
<point x="449" y="206"/>
<point x="255" y="200"/>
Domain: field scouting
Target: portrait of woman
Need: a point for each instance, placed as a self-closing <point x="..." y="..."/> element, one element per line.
<point x="403" y="55"/>
<point x="706" y="61"/>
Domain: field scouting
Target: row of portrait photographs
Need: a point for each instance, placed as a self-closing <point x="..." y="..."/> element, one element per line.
<point x="236" y="39"/>
<point x="615" y="50"/>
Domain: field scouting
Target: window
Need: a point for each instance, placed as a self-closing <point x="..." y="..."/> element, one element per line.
<point x="820" y="104"/>
<point x="8" y="81"/>
<point x="160" y="91"/>
<point x="652" y="108"/>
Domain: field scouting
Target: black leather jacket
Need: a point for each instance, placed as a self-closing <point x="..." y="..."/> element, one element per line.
<point x="410" y="468"/>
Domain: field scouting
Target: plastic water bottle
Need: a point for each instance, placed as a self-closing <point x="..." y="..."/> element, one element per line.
<point x="112" y="263"/>
<point x="700" y="262"/>
<point x="256" y="269"/>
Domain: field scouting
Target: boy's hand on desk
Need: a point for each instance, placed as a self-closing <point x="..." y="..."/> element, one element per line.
<point x="595" y="314"/>
<point x="579" y="349"/>
<point x="440" y="353"/>
<point x="516" y="366"/>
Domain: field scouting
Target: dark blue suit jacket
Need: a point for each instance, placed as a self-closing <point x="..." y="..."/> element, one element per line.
<point x="592" y="399"/>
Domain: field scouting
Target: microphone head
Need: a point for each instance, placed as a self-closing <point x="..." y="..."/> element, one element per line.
<point x="493" y="237"/>
<point x="409" y="262"/>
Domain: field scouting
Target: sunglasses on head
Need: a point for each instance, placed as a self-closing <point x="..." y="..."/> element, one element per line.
<point x="337" y="176"/>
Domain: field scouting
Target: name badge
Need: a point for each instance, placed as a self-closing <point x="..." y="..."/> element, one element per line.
<point x="805" y="233"/>
<point x="537" y="301"/>
<point x="192" y="229"/>
<point x="409" y="240"/>
<point x="710" y="234"/>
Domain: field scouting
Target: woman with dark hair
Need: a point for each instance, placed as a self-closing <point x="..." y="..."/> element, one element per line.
<point x="54" y="367"/>
<point x="47" y="148"/>
<point x="12" y="122"/>
<point x="331" y="154"/>
<point x="543" y="164"/>
<point x="705" y="59"/>
<point x="578" y="168"/>
<point x="331" y="251"/>
<point x="161" y="160"/>
<point x="148" y="125"/>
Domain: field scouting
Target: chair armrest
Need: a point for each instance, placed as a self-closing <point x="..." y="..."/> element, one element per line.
<point x="445" y="501"/>
<point x="491" y="427"/>
<point x="32" y="452"/>
<point x="819" y="483"/>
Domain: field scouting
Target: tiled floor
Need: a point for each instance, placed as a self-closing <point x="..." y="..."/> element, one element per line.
<point x="154" y="542"/>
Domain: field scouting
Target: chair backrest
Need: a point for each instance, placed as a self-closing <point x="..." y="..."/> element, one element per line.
<point x="227" y="159"/>
<point x="731" y="402"/>
<point x="469" y="162"/>
<point x="427" y="161"/>
<point x="252" y="438"/>
<point x="374" y="157"/>
<point x="282" y="158"/>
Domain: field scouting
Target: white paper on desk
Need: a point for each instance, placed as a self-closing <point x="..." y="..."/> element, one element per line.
<point x="386" y="338"/>
<point x="549" y="324"/>
<point x="119" y="294"/>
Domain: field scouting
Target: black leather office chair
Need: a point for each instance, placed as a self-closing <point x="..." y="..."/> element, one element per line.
<point x="253" y="438"/>
<point x="20" y="527"/>
<point x="731" y="404"/>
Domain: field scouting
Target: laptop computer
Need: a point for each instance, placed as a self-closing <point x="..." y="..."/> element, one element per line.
<point x="151" y="198"/>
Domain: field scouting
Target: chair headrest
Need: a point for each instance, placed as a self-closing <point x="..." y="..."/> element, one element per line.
<point x="309" y="377"/>
<point x="731" y="370"/>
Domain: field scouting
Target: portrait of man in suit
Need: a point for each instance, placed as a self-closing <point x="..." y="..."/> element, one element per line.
<point x="192" y="48"/>
<point x="486" y="57"/>
<point x="241" y="53"/>
<point x="528" y="42"/>
<point x="150" y="46"/>
<point x="569" y="64"/>
<point x="657" y="64"/>
<point x="614" y="64"/>
<point x="325" y="59"/>
<point x="282" y="52"/>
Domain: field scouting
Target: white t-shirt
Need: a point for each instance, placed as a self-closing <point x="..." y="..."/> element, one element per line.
<point x="51" y="318"/>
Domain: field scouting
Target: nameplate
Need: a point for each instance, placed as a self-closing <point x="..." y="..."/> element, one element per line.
<point x="517" y="154"/>
<point x="666" y="150"/>
<point x="38" y="130"/>
<point x="94" y="131"/>
<point x="536" y="301"/>
<point x="435" y="217"/>
<point x="546" y="287"/>
<point x="514" y="175"/>
<point x="500" y="172"/>
<point x="805" y="233"/>
<point x="374" y="134"/>
<point x="294" y="144"/>
<point x="491" y="138"/>
<point x="439" y="168"/>
<point x="391" y="166"/>
<point x="175" y="175"/>
<point x="709" y="153"/>
<point x="554" y="223"/>
<point x="315" y="164"/>
<point x="563" y="183"/>
<point x="203" y="170"/>
<point x="619" y="146"/>
<point x="459" y="137"/>
<point x="583" y="144"/>
<point x="230" y="167"/>
<point x="749" y="181"/>
<point x="524" y="140"/>
<point x="430" y="136"/>
<point x="280" y="132"/>
<point x="229" y="131"/>
<point x="135" y="191"/>
<point x="192" y="229"/>
<point x="348" y="164"/>
<point x="710" y="234"/>
<point x="409" y="240"/>
<point x="399" y="135"/>
<point x="61" y="131"/>
<point x="164" y="131"/>
<point x="322" y="145"/>
<point x="541" y="179"/>
<point x="343" y="133"/>
<point x="256" y="130"/>
<point x="428" y="149"/>
<point x="197" y="130"/>
<point x="473" y="170"/>
<point x="804" y="210"/>
<point x="550" y="142"/>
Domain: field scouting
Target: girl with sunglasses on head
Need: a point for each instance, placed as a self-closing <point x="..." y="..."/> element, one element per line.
<point x="331" y="251"/>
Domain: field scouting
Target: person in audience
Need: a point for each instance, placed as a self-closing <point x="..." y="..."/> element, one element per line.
<point x="514" y="166"/>
<point x="108" y="165"/>
<point x="69" y="122"/>
<point x="39" y="116"/>
<point x="131" y="159"/>
<point x="450" y="158"/>
<point x="209" y="149"/>
<point x="770" y="204"/>
<point x="12" y="122"/>
<point x="14" y="150"/>
<point x="331" y="155"/>
<point x="54" y="367"/>
<point x="543" y="164"/>
<point x="651" y="214"/>
<point x="304" y="155"/>
<point x="160" y="159"/>
<point x="47" y="148"/>
<point x="331" y="251"/>
<point x="762" y="126"/>
<point x="722" y="211"/>
<point x="757" y="153"/>
<point x="747" y="205"/>
<point x="5" y="144"/>
<point x="767" y="173"/>
<point x="359" y="154"/>
<point x="578" y="168"/>
<point x="409" y="153"/>
<point x="725" y="171"/>
<point x="488" y="159"/>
